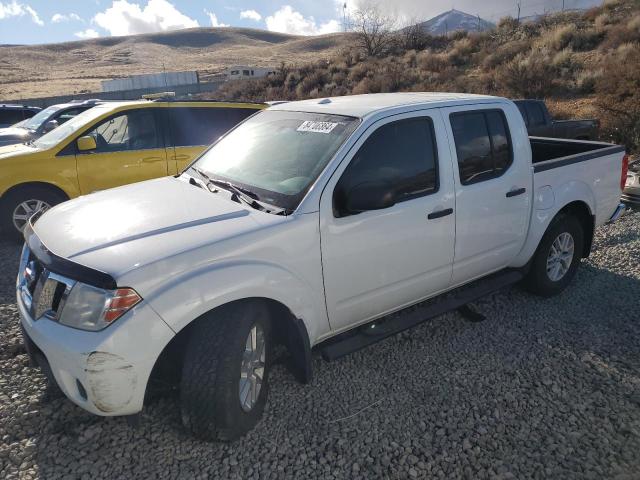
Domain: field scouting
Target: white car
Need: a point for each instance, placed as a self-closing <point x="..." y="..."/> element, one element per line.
<point x="307" y="225"/>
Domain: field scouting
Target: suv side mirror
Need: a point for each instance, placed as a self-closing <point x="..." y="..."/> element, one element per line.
<point x="50" y="125"/>
<point x="87" y="143"/>
<point x="375" y="195"/>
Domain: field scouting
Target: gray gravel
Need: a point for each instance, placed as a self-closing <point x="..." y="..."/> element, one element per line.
<point x="542" y="389"/>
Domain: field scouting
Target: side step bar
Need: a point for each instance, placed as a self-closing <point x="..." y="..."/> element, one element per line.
<point x="384" y="327"/>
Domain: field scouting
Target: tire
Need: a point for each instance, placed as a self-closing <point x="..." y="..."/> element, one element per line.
<point x="210" y="396"/>
<point x="546" y="283"/>
<point x="14" y="201"/>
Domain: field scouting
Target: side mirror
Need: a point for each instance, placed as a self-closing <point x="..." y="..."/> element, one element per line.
<point x="376" y="195"/>
<point x="87" y="143"/>
<point x="50" y="125"/>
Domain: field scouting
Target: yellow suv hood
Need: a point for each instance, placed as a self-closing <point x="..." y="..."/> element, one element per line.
<point x="15" y="150"/>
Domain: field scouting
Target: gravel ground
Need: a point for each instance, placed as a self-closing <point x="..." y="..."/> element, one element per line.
<point x="542" y="389"/>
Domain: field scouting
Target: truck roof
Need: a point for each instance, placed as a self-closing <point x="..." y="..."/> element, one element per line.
<point x="364" y="105"/>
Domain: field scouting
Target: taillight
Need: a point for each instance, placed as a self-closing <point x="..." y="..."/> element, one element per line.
<point x="625" y="170"/>
<point x="122" y="301"/>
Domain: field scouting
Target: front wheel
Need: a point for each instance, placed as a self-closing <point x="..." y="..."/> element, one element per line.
<point x="18" y="206"/>
<point x="225" y="373"/>
<point x="557" y="257"/>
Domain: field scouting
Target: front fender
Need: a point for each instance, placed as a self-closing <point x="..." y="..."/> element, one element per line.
<point x="562" y="195"/>
<point x="199" y="291"/>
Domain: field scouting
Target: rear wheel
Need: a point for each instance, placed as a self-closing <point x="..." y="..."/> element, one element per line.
<point x="19" y="205"/>
<point x="557" y="258"/>
<point x="225" y="373"/>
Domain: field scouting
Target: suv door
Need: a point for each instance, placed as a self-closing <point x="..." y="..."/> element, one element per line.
<point x="130" y="148"/>
<point x="192" y="129"/>
<point x="493" y="189"/>
<point x="378" y="261"/>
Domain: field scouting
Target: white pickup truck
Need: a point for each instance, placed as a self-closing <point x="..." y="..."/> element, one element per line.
<point x="327" y="223"/>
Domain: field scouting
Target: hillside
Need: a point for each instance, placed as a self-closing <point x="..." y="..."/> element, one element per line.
<point x="583" y="63"/>
<point x="75" y="67"/>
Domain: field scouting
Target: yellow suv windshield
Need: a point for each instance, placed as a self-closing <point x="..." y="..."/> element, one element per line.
<point x="54" y="137"/>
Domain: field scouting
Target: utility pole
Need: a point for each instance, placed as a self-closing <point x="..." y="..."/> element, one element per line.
<point x="563" y="5"/>
<point x="518" y="22"/>
<point x="478" y="22"/>
<point x="344" y="16"/>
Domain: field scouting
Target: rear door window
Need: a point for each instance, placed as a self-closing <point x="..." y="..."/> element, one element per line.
<point x="536" y="116"/>
<point x="483" y="144"/>
<point x="201" y="126"/>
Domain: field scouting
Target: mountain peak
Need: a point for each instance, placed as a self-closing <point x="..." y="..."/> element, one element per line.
<point x="453" y="20"/>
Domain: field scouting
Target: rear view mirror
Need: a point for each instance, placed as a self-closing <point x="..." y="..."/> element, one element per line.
<point x="50" y="125"/>
<point x="370" y="196"/>
<point x="86" y="143"/>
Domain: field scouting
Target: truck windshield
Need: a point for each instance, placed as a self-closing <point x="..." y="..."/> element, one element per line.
<point x="39" y="118"/>
<point x="277" y="155"/>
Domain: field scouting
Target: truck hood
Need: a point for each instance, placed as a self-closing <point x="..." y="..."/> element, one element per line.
<point x="118" y="230"/>
<point x="12" y="135"/>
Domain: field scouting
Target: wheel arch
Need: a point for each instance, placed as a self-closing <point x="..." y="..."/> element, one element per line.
<point x="26" y="185"/>
<point x="585" y="216"/>
<point x="289" y="330"/>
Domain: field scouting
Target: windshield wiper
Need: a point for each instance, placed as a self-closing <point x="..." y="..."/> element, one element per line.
<point x="240" y="193"/>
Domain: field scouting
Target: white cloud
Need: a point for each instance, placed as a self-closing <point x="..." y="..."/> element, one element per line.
<point x="125" y="18"/>
<point x="15" y="9"/>
<point x="214" y="20"/>
<point x="288" y="20"/>
<point x="61" y="17"/>
<point x="251" y="15"/>
<point x="88" y="33"/>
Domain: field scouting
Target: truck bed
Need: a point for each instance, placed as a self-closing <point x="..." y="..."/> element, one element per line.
<point x="548" y="153"/>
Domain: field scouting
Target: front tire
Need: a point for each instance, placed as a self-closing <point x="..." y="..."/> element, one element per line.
<point x="557" y="257"/>
<point x="225" y="374"/>
<point x="18" y="206"/>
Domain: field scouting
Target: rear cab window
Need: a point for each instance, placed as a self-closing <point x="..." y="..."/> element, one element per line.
<point x="483" y="144"/>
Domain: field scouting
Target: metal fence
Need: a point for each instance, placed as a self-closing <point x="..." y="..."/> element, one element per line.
<point x="181" y="91"/>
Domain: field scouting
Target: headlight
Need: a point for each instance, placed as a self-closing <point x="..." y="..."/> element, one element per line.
<point x="91" y="308"/>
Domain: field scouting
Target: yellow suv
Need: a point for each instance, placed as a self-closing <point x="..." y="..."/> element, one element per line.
<point x="112" y="144"/>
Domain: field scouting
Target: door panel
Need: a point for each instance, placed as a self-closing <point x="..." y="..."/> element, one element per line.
<point x="492" y="211"/>
<point x="183" y="156"/>
<point x="130" y="148"/>
<point x="378" y="261"/>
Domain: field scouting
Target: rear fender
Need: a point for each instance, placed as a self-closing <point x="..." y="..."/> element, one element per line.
<point x="563" y="195"/>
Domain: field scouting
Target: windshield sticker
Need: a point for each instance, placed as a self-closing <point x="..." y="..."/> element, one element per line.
<point x="316" y="127"/>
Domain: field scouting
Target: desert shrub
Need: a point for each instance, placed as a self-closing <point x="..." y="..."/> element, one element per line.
<point x="505" y="52"/>
<point x="432" y="62"/>
<point x="560" y="37"/>
<point x="618" y="96"/>
<point x="585" y="82"/>
<point x="527" y="75"/>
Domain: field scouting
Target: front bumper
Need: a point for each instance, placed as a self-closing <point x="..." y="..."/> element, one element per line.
<point x="105" y="372"/>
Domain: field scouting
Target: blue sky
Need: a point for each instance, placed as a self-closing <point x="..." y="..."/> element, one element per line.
<point x="46" y="21"/>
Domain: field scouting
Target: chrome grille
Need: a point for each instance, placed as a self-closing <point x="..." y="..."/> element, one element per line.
<point x="42" y="292"/>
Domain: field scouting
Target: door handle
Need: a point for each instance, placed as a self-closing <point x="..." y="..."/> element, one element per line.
<point x="515" y="192"/>
<point x="152" y="159"/>
<point x="440" y="213"/>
